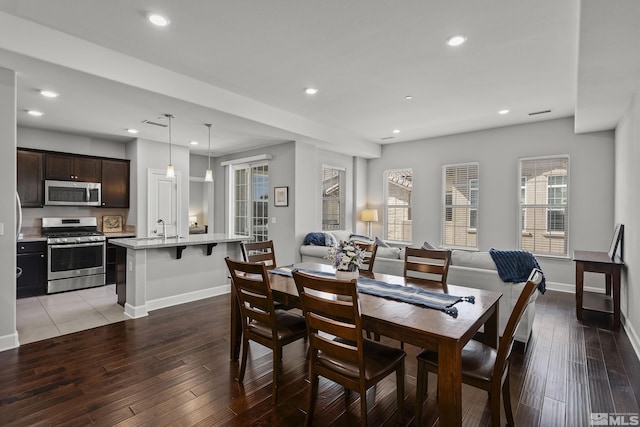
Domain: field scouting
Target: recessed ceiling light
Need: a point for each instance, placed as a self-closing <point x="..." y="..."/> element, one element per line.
<point x="159" y="20"/>
<point x="311" y="91"/>
<point x="132" y="130"/>
<point x="408" y="97"/>
<point x="35" y="113"/>
<point x="503" y="112"/>
<point x="456" y="40"/>
<point x="49" y="94"/>
<point x="193" y="142"/>
<point x="396" y="131"/>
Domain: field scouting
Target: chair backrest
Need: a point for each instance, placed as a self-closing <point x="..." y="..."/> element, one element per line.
<point x="259" y="252"/>
<point x="370" y="250"/>
<point x="506" y="342"/>
<point x="251" y="283"/>
<point x="331" y="309"/>
<point x="427" y="264"/>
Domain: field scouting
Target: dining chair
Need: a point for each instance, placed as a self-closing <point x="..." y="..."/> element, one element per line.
<point x="261" y="322"/>
<point x="370" y="250"/>
<point x="483" y="366"/>
<point x="259" y="252"/>
<point x="427" y="265"/>
<point x="338" y="350"/>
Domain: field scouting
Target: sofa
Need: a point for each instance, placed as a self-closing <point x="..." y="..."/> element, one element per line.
<point x="468" y="268"/>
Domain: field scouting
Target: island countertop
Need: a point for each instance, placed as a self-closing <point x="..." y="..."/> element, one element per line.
<point x="141" y="243"/>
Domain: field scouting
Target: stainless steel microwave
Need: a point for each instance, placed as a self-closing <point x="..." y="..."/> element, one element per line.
<point x="72" y="193"/>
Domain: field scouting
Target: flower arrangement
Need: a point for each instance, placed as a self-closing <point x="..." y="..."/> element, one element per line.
<point x="346" y="256"/>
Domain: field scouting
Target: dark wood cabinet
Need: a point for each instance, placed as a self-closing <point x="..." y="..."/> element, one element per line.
<point x="115" y="183"/>
<point x="32" y="259"/>
<point x="67" y="167"/>
<point x="29" y="178"/>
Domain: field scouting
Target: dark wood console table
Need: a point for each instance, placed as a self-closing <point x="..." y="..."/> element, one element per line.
<point x="609" y="302"/>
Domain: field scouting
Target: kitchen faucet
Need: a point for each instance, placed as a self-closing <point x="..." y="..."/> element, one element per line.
<point x="164" y="228"/>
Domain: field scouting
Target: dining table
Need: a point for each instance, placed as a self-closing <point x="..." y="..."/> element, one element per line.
<point x="407" y="322"/>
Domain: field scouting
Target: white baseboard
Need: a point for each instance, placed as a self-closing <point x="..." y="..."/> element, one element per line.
<point x="633" y="336"/>
<point x="188" y="297"/>
<point x="10" y="341"/>
<point x="570" y="288"/>
<point x="135" y="311"/>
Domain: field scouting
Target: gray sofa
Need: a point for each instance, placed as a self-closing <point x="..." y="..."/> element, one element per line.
<point x="468" y="268"/>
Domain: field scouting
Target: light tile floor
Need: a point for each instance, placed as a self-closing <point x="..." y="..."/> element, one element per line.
<point x="48" y="316"/>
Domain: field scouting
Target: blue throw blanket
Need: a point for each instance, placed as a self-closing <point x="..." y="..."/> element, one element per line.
<point x="412" y="295"/>
<point x="516" y="266"/>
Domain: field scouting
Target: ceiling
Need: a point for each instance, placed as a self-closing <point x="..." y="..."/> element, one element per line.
<point x="243" y="66"/>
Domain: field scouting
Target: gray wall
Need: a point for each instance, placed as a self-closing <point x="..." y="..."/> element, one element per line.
<point x="591" y="169"/>
<point x="8" y="107"/>
<point x="627" y="207"/>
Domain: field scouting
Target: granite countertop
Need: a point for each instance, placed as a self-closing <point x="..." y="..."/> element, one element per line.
<point x="140" y="243"/>
<point x="119" y="235"/>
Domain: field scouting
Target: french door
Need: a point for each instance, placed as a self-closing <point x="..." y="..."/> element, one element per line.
<point x="251" y="200"/>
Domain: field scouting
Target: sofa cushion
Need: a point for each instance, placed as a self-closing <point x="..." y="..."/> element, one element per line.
<point x="472" y="259"/>
<point x="360" y="238"/>
<point x="393" y="253"/>
<point x="381" y="243"/>
<point x="341" y="235"/>
<point x="427" y="245"/>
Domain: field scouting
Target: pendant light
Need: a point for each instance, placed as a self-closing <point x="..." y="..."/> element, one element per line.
<point x="208" y="176"/>
<point x="170" y="170"/>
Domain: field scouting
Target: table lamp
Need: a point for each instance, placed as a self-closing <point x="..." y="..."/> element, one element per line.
<point x="369" y="216"/>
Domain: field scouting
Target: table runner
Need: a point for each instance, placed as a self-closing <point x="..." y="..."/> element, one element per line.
<point x="412" y="295"/>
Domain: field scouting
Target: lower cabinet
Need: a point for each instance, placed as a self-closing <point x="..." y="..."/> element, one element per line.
<point x="32" y="259"/>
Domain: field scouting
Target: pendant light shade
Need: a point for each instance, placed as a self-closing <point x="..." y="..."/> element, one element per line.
<point x="170" y="169"/>
<point x="208" y="176"/>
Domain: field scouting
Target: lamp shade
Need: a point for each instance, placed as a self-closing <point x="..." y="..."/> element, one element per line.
<point x="369" y="215"/>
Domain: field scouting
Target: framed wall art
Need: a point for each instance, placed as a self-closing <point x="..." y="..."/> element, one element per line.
<point x="281" y="196"/>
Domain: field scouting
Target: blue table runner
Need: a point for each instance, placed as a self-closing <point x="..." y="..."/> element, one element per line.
<point x="409" y="294"/>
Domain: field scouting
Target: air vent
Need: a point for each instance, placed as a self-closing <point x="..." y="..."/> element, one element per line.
<point x="540" y="112"/>
<point x="149" y="122"/>
<point x="387" y="137"/>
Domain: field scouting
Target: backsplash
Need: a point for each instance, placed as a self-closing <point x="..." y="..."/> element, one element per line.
<point x="32" y="217"/>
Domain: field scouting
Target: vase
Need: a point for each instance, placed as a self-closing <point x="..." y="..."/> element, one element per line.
<point x="347" y="275"/>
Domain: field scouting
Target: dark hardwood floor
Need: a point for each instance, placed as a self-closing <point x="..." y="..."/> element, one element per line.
<point x="172" y="368"/>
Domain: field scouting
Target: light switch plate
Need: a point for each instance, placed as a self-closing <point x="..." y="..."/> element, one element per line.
<point x="273" y="220"/>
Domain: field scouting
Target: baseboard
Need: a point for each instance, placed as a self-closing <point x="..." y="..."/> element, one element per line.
<point x="570" y="288"/>
<point x="135" y="311"/>
<point x="10" y="341"/>
<point x="633" y="337"/>
<point x="188" y="297"/>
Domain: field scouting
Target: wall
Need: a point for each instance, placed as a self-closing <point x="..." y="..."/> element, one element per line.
<point x="591" y="169"/>
<point x="68" y="143"/>
<point x="627" y="207"/>
<point x="8" y="108"/>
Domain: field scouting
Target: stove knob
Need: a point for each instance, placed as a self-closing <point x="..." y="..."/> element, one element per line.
<point x="78" y="239"/>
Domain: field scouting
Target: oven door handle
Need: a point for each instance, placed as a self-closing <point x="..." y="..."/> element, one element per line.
<point x="76" y="245"/>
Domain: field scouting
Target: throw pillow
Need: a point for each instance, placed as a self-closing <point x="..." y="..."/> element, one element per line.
<point x="359" y="238"/>
<point x="393" y="253"/>
<point x="315" y="239"/>
<point x="427" y="245"/>
<point x="381" y="243"/>
<point x="329" y="240"/>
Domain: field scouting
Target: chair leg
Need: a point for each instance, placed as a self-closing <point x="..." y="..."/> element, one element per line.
<point x="400" y="392"/>
<point x="243" y="364"/>
<point x="506" y="396"/>
<point x="421" y="390"/>
<point x="313" y="395"/>
<point x="363" y="408"/>
<point x="277" y="359"/>
<point x="494" y="405"/>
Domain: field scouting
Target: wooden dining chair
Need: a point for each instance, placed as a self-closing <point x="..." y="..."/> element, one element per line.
<point x="261" y="322"/>
<point x="331" y="309"/>
<point x="427" y="265"/>
<point x="483" y="366"/>
<point x="370" y="250"/>
<point x="259" y="252"/>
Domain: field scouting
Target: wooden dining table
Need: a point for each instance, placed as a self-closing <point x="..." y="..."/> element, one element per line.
<point x="410" y="323"/>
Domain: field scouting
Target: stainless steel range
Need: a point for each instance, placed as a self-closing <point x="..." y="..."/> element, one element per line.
<point x="77" y="253"/>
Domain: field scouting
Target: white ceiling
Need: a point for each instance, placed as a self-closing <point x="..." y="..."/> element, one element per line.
<point x="243" y="65"/>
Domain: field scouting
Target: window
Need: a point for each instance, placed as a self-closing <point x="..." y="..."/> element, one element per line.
<point x="251" y="201"/>
<point x="544" y="205"/>
<point x="461" y="192"/>
<point x="399" y="185"/>
<point x="333" y="198"/>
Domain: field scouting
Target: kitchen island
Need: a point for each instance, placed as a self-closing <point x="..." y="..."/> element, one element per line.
<point x="160" y="272"/>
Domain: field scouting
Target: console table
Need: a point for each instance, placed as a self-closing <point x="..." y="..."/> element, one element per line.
<point x="609" y="302"/>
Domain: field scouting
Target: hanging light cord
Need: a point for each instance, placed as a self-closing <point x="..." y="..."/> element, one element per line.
<point x="209" y="126"/>
<point x="169" y="116"/>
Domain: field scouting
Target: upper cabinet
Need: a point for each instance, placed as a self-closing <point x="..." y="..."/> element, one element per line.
<point x="115" y="183"/>
<point x="67" y="167"/>
<point x="29" y="177"/>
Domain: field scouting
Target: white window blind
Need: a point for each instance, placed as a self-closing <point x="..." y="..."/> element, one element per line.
<point x="544" y="205"/>
<point x="399" y="185"/>
<point x="333" y="198"/>
<point x="460" y="196"/>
